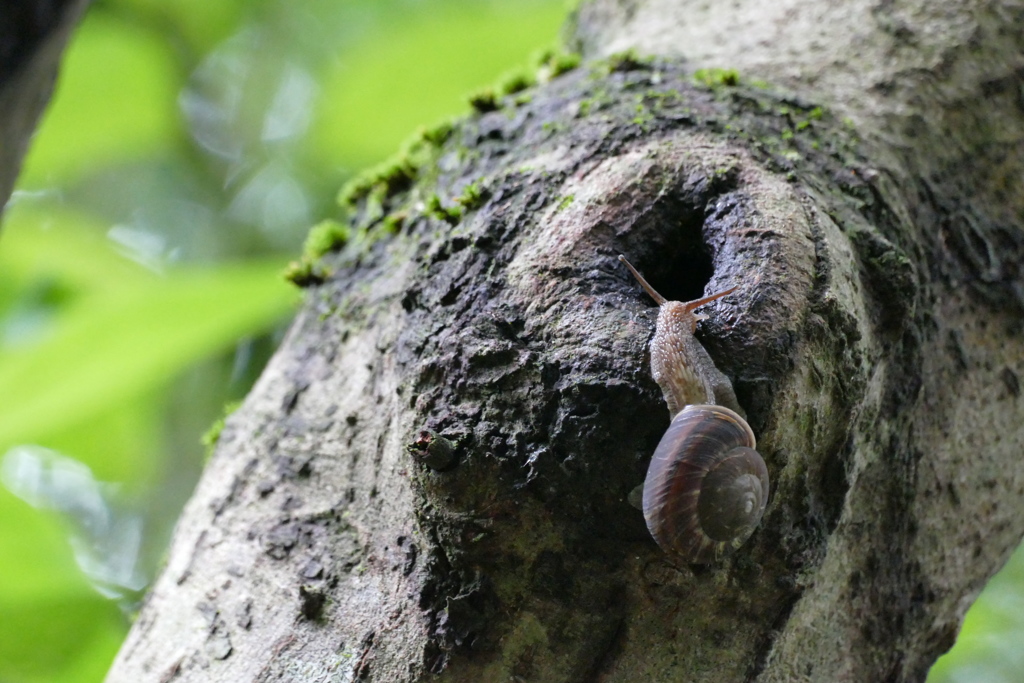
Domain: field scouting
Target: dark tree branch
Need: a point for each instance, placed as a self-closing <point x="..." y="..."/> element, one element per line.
<point x="32" y="38"/>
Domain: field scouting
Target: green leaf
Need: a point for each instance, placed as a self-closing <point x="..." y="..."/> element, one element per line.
<point x="122" y="443"/>
<point x="110" y="66"/>
<point x="106" y="348"/>
<point x="35" y="560"/>
<point x="53" y="625"/>
<point x="50" y="241"/>
<point x="79" y="633"/>
<point x="201" y="22"/>
<point x="97" y="653"/>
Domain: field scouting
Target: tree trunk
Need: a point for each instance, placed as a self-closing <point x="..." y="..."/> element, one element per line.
<point x="32" y="38"/>
<point x="431" y="479"/>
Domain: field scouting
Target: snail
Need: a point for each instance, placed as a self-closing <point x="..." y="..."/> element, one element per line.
<point x="706" y="488"/>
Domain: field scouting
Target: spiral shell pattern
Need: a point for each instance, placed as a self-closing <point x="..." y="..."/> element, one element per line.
<point x="706" y="488"/>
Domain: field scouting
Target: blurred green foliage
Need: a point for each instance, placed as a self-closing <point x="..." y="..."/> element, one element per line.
<point x="188" y="149"/>
<point x="989" y="647"/>
<point x="372" y="92"/>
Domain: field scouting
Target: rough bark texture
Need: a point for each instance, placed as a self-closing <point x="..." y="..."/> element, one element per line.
<point x="862" y="198"/>
<point x="32" y="38"/>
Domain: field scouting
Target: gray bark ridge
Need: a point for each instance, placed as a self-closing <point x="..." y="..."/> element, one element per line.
<point x="317" y="547"/>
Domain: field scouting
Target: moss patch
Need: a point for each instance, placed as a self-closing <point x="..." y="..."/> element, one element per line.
<point x="717" y="77"/>
<point x="473" y="196"/>
<point x="400" y="171"/>
<point x="554" y="63"/>
<point x="516" y="81"/>
<point x="437" y="134"/>
<point x="550" y="64"/>
<point x="306" y="273"/>
<point x="449" y="214"/>
<point x="395" y="174"/>
<point x="325" y="236"/>
<point x="628" y="60"/>
<point x="212" y="435"/>
<point x="484" y="100"/>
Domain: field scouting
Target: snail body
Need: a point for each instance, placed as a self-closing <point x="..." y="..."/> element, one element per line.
<point x="706" y="488"/>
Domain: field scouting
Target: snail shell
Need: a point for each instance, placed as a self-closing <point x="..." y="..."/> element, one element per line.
<point x="706" y="488"/>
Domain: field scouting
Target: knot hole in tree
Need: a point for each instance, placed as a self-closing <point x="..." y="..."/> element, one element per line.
<point x="669" y="241"/>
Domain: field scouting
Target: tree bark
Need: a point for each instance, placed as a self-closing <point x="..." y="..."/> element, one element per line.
<point x="32" y="38"/>
<point x="857" y="181"/>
